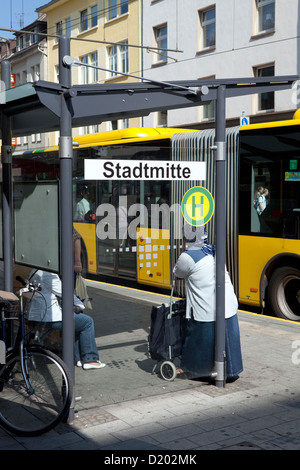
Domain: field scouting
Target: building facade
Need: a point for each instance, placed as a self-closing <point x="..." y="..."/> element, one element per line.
<point x="28" y="57"/>
<point x="104" y="34"/>
<point x="167" y="40"/>
<point x="222" y="39"/>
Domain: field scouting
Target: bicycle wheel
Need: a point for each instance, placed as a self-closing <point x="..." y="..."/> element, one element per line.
<point x="37" y="410"/>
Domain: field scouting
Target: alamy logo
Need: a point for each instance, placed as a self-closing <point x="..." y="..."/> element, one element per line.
<point x="122" y="222"/>
<point x="296" y="353"/>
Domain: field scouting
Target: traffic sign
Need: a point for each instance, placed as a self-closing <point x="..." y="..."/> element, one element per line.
<point x="244" y="120"/>
<point x="197" y="206"/>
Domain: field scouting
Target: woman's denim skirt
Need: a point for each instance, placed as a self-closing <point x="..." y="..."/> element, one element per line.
<point x="198" y="353"/>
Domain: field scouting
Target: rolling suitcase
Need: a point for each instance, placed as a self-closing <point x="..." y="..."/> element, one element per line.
<point x="167" y="335"/>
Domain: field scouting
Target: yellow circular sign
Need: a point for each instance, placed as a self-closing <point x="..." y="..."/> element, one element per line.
<point x="197" y="206"/>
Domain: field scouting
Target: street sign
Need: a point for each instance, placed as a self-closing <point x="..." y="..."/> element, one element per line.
<point x="143" y="170"/>
<point x="244" y="120"/>
<point x="197" y="206"/>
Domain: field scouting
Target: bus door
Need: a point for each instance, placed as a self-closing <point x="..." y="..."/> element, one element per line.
<point x="123" y="220"/>
<point x="153" y="240"/>
<point x="116" y="248"/>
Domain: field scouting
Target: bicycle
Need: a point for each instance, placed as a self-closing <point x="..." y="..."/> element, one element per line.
<point x="35" y="384"/>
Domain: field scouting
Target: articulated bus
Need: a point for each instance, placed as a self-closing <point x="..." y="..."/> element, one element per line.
<point x="262" y="246"/>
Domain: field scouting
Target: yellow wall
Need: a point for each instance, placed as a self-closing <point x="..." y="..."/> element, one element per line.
<point x="125" y="27"/>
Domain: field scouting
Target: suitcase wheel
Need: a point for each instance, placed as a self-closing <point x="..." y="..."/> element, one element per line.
<point x="168" y="371"/>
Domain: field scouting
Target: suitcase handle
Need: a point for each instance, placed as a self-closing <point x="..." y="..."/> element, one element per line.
<point x="171" y="298"/>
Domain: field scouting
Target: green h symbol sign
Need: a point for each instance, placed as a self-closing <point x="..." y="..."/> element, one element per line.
<point x="199" y="206"/>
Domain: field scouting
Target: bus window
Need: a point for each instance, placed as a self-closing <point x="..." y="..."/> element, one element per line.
<point x="260" y="184"/>
<point x="269" y="187"/>
<point x="85" y="199"/>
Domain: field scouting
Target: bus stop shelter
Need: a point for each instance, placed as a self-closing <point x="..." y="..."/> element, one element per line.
<point x="45" y="106"/>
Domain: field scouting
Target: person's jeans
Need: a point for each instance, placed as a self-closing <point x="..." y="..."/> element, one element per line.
<point x="85" y="348"/>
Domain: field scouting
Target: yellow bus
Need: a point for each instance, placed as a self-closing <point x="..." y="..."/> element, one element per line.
<point x="262" y="249"/>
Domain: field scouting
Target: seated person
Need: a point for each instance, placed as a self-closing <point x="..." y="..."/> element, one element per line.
<point x="45" y="307"/>
<point x="83" y="206"/>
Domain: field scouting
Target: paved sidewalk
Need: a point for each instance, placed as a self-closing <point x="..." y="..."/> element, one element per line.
<point x="126" y="407"/>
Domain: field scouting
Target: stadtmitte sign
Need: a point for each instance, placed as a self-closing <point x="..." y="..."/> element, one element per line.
<point x="143" y="170"/>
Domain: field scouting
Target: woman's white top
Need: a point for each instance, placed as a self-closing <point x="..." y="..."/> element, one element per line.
<point x="198" y="269"/>
<point x="45" y="305"/>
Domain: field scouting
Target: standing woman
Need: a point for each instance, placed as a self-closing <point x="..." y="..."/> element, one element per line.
<point x="197" y="267"/>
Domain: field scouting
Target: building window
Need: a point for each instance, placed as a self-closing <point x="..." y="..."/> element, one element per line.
<point x="20" y="43"/>
<point x="116" y="8"/>
<point x="162" y="118"/>
<point x="124" y="57"/>
<point x="29" y="39"/>
<point x="265" y="101"/>
<point x="56" y="74"/>
<point x="84" y="70"/>
<point x="112" y="9"/>
<point x="161" y="42"/>
<point x="36" y="36"/>
<point x="124" y="7"/>
<point x="35" y="73"/>
<point x="209" y="111"/>
<point x="118" y="124"/>
<point x="113" y="61"/>
<point x="94" y="16"/>
<point x="208" y="28"/>
<point x="59" y="29"/>
<point x="68" y="27"/>
<point x="83" y="20"/>
<point x="118" y="59"/>
<point x="94" y="62"/>
<point x="265" y="15"/>
<point x="89" y="74"/>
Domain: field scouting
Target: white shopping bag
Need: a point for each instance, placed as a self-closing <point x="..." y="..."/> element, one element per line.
<point x="81" y="291"/>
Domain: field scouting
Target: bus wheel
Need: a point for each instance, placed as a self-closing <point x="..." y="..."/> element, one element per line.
<point x="284" y="293"/>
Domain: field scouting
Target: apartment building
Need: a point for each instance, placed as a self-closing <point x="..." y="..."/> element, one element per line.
<point x="28" y="57"/>
<point x="169" y="40"/>
<point x="222" y="39"/>
<point x="7" y="48"/>
<point x="104" y="34"/>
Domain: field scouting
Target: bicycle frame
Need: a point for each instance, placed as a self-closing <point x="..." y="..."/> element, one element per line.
<point x="20" y="338"/>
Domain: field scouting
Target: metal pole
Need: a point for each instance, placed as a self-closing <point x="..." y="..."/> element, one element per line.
<point x="66" y="214"/>
<point x="220" y="237"/>
<point x="6" y="152"/>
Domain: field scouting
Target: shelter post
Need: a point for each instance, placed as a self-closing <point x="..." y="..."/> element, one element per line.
<point x="66" y="213"/>
<point x="6" y="153"/>
<point x="220" y="143"/>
